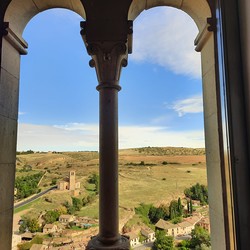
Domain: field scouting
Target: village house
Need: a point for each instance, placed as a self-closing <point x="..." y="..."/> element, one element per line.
<point x="133" y="239"/>
<point x="50" y="228"/>
<point x="149" y="234"/>
<point x="66" y="218"/>
<point x="169" y="228"/>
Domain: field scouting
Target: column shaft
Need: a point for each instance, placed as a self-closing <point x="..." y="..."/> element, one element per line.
<point x="108" y="164"/>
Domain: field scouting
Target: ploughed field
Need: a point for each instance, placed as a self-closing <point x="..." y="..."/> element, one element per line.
<point x="146" y="175"/>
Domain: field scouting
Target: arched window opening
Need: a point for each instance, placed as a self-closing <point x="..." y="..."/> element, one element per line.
<point x="161" y="110"/>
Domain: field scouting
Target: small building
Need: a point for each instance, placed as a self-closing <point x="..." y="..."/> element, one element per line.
<point x="66" y="218"/>
<point x="133" y="239"/>
<point x="49" y="228"/>
<point x="149" y="234"/>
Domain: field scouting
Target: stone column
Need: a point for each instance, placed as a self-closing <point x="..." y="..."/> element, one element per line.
<point x="108" y="58"/>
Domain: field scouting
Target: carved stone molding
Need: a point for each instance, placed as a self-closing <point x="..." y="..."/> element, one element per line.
<point x="18" y="43"/>
<point x="204" y="34"/>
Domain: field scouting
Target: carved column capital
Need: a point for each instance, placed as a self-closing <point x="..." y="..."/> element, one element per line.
<point x="108" y="59"/>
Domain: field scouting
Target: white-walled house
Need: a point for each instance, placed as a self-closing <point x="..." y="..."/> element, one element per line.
<point x="149" y="234"/>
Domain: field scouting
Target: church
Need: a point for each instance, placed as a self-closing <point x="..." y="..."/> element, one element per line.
<point x="70" y="183"/>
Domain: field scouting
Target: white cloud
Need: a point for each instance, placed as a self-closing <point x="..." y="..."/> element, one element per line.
<point x="22" y="113"/>
<point x="165" y="36"/>
<point x="163" y="118"/>
<point x="61" y="138"/>
<point x="78" y="137"/>
<point x="193" y="104"/>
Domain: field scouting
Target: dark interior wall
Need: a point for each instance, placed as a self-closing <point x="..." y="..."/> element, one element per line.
<point x="244" y="20"/>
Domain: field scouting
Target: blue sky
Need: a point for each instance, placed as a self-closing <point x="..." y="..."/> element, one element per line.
<point x="160" y="103"/>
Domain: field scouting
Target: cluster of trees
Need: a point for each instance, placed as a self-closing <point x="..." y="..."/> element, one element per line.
<point x="88" y="199"/>
<point x="197" y="192"/>
<point x="75" y="206"/>
<point x="162" y="241"/>
<point x="51" y="216"/>
<point x="27" y="185"/>
<point x="25" y="152"/>
<point x="200" y="240"/>
<point x="29" y="224"/>
<point x="175" y="209"/>
<point x="152" y="214"/>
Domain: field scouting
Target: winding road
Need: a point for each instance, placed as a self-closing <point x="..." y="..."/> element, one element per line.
<point x="34" y="197"/>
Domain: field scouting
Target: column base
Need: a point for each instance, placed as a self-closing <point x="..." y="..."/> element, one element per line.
<point x="96" y="244"/>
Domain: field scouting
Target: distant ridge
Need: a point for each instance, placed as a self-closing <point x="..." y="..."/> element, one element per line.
<point x="158" y="151"/>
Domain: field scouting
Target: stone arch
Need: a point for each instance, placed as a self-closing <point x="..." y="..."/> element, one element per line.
<point x="198" y="10"/>
<point x="19" y="13"/>
<point x="220" y="195"/>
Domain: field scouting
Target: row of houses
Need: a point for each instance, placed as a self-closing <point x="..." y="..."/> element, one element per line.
<point x="183" y="228"/>
<point x="65" y="219"/>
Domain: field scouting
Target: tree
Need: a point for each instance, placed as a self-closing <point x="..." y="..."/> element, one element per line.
<point x="189" y="206"/>
<point x="51" y="216"/>
<point x="23" y="227"/>
<point x="77" y="204"/>
<point x="200" y="236"/>
<point x="94" y="179"/>
<point x="70" y="208"/>
<point x="163" y="242"/>
<point x="180" y="208"/>
<point x="33" y="225"/>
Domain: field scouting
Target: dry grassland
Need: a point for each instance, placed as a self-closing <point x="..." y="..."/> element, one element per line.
<point x="143" y="178"/>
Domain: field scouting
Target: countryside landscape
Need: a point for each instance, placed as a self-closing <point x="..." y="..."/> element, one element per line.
<point x="148" y="177"/>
